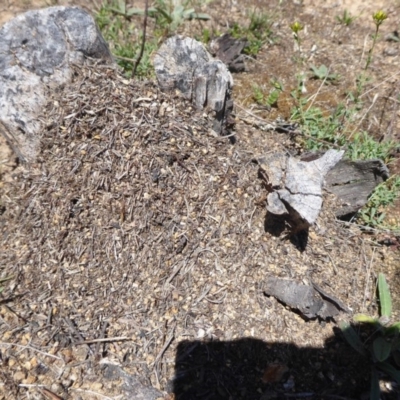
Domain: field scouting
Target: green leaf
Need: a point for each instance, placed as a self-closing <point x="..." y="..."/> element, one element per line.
<point x="122" y="6"/>
<point x="363" y="318"/>
<point x="375" y="392"/>
<point x="352" y="337"/>
<point x="273" y="97"/>
<point x="396" y="357"/>
<point x="140" y="11"/>
<point x="164" y="14"/>
<point x="202" y="16"/>
<point x="390" y="370"/>
<point x="381" y="348"/>
<point x="384" y="296"/>
<point x="393" y="329"/>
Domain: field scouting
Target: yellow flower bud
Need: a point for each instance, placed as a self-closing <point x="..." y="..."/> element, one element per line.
<point x="296" y="27"/>
<point x="379" y="17"/>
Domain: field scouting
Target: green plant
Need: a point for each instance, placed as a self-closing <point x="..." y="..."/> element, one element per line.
<point x="296" y="28"/>
<point x="322" y="130"/>
<point x="382" y="346"/>
<point x="322" y="72"/>
<point x="172" y="14"/>
<point x="258" y="32"/>
<point x="385" y="194"/>
<point x="114" y="21"/>
<point x="378" y="18"/>
<point x="125" y="40"/>
<point x="364" y="147"/>
<point x="272" y="97"/>
<point x="346" y="18"/>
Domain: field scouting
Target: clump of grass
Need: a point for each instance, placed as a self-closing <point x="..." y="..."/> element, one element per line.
<point x="115" y="22"/>
<point x="384" y="195"/>
<point x="346" y="18"/>
<point x="258" y="32"/>
<point x="321" y="130"/>
<point x="365" y="147"/>
<point x="124" y="39"/>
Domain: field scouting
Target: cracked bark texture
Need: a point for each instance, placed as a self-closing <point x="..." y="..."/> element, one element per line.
<point x="295" y="186"/>
<point x="183" y="63"/>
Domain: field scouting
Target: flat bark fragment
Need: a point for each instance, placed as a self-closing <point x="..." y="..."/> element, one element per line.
<point x="354" y="181"/>
<point x="296" y="186"/>
<point x="311" y="301"/>
<point x="229" y="51"/>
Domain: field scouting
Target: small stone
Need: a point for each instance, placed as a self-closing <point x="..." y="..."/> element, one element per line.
<point x="29" y="380"/>
<point x="19" y="376"/>
<point x="390" y="51"/>
<point x="95" y="386"/>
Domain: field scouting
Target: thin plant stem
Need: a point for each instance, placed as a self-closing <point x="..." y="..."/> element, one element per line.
<point x="143" y="39"/>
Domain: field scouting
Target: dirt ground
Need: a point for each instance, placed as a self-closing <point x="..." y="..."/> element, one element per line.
<point x="123" y="255"/>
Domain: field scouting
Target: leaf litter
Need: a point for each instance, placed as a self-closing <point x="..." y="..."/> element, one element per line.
<point x="138" y="224"/>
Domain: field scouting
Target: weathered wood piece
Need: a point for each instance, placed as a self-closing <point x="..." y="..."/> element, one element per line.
<point x="353" y="182"/>
<point x="295" y="187"/>
<point x="183" y="63"/>
<point x="229" y="51"/>
<point x="311" y="301"/>
<point x="37" y="50"/>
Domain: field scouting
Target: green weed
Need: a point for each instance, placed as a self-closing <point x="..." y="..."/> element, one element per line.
<point x="346" y="18"/>
<point x="324" y="130"/>
<point x="385" y="194"/>
<point x="322" y="72"/>
<point x="381" y="349"/>
<point x="378" y="19"/>
<point x="321" y="130"/>
<point x="258" y="32"/>
<point x="124" y="39"/>
<point x="267" y="100"/>
<point x="365" y="147"/>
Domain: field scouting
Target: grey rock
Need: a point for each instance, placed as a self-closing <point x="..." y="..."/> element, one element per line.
<point x="37" y="50"/>
<point x="310" y="300"/>
<point x="131" y="387"/>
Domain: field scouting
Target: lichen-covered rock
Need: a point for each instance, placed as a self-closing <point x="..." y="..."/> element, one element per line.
<point x="36" y="52"/>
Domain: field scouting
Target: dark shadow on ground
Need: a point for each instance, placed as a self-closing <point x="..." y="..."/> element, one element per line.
<point x="251" y="369"/>
<point x="278" y="225"/>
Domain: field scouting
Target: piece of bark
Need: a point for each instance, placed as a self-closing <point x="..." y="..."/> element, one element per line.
<point x="353" y="182"/>
<point x="229" y="51"/>
<point x="183" y="63"/>
<point x="37" y="50"/>
<point x="295" y="186"/>
<point x="311" y="301"/>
